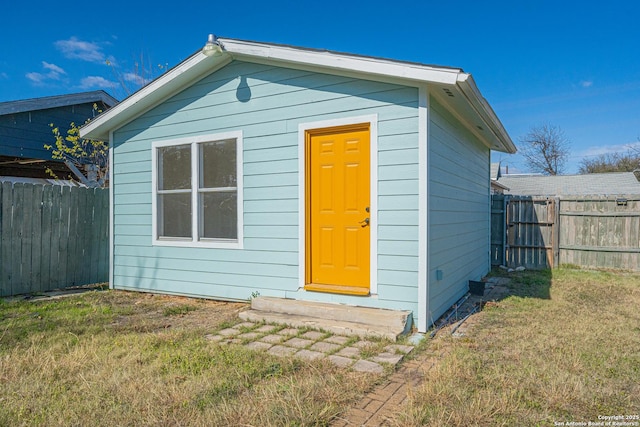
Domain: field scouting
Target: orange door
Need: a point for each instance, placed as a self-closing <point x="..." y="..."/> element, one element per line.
<point x="338" y="229"/>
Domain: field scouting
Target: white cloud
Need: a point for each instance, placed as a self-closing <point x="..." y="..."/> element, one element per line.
<point x="79" y="49"/>
<point x="54" y="73"/>
<point x="36" y="78"/>
<point x="53" y="68"/>
<point x="586" y="83"/>
<point x="96" y="82"/>
<point x="135" y="78"/>
<point x="609" y="149"/>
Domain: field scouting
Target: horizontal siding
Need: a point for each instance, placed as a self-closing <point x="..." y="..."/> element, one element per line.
<point x="397" y="247"/>
<point x="400" y="294"/>
<point x="280" y="99"/>
<point x="25" y="134"/>
<point x="204" y="254"/>
<point x="197" y="266"/>
<point x="398" y="202"/>
<point x="226" y="287"/>
<point x="458" y="209"/>
<point x="399" y="262"/>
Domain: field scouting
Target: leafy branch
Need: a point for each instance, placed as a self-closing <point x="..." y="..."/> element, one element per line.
<point x="88" y="159"/>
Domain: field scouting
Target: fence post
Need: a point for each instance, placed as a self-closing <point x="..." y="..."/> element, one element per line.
<point x="556" y="233"/>
<point x="505" y="226"/>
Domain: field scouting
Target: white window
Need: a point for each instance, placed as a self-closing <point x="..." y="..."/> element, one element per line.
<point x="197" y="184"/>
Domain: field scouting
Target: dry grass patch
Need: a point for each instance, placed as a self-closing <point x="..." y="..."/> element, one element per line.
<point x="118" y="358"/>
<point x="565" y="347"/>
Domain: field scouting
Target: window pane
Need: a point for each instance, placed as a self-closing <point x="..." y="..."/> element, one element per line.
<point x="220" y="210"/>
<point x="174" y="164"/>
<point x="174" y="215"/>
<point x="218" y="164"/>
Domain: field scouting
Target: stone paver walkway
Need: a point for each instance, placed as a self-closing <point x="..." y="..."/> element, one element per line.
<point x="347" y="352"/>
<point x="381" y="406"/>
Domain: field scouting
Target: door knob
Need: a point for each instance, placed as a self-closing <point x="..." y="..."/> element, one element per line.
<point x="364" y="222"/>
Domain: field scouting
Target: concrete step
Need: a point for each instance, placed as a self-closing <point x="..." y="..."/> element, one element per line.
<point x="340" y="319"/>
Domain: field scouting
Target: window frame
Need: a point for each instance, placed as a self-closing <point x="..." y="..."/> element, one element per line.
<point x="196" y="209"/>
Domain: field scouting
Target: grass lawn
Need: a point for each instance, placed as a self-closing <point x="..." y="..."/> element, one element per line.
<point x="565" y="347"/>
<point x="116" y="358"/>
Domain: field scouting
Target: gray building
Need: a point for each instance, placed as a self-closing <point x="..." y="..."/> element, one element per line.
<point x="25" y="129"/>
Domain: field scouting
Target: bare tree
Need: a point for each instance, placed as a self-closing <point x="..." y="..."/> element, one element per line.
<point x="635" y="149"/>
<point x="545" y="149"/>
<point x="612" y="162"/>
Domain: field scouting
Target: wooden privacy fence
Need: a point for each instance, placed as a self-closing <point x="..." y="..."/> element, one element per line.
<point x="52" y="237"/>
<point x="546" y="232"/>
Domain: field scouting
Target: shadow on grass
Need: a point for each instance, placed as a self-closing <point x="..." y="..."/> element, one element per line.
<point x="528" y="283"/>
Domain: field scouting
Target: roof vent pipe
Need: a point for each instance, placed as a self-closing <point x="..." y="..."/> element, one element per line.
<point x="213" y="47"/>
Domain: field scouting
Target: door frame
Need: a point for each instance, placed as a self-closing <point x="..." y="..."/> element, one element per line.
<point x="303" y="128"/>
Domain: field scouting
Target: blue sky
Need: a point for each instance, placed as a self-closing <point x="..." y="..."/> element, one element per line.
<point x="573" y="64"/>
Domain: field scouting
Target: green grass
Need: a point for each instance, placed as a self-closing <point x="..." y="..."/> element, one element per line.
<point x="178" y="310"/>
<point x="565" y="347"/>
<point x="117" y="358"/>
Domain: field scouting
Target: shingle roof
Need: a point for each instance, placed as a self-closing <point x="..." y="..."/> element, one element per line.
<point x="617" y="183"/>
<point x="14" y="107"/>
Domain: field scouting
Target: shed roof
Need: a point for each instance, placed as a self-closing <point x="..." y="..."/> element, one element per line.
<point x="616" y="183"/>
<point x="452" y="86"/>
<point x="32" y="104"/>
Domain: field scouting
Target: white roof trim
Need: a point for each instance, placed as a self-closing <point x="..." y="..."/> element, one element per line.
<point x="195" y="67"/>
<point x="198" y="65"/>
<point x="486" y="113"/>
<point x="340" y="61"/>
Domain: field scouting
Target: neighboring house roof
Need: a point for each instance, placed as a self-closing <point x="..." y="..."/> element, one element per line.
<point x="616" y="183"/>
<point x="451" y="86"/>
<point x="25" y="129"/>
<point x="495" y="171"/>
<point x="23" y="105"/>
<point x="497" y="186"/>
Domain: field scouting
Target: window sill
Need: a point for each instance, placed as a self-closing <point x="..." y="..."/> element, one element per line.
<point x="220" y="244"/>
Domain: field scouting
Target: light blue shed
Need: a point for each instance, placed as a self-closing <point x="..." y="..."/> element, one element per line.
<point x="303" y="174"/>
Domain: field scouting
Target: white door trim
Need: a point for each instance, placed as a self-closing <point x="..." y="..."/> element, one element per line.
<point x="372" y="119"/>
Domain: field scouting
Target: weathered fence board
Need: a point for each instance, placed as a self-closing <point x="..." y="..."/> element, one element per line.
<point x="52" y="237"/>
<point x="594" y="231"/>
<point x="498" y="232"/>
<point x="601" y="232"/>
<point x="530" y="232"/>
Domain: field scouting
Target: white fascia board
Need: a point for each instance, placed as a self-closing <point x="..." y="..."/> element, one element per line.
<point x="337" y="61"/>
<point x="191" y="70"/>
<point x="468" y="87"/>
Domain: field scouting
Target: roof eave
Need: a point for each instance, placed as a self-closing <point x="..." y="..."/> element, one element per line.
<point x="198" y="65"/>
<point x="47" y="102"/>
<point x="499" y="138"/>
<point x="340" y="61"/>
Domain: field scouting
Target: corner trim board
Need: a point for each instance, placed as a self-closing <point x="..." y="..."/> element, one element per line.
<point x="111" y="214"/>
<point x="423" y="209"/>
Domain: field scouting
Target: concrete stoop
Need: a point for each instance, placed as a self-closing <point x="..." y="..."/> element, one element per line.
<point x="340" y="319"/>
